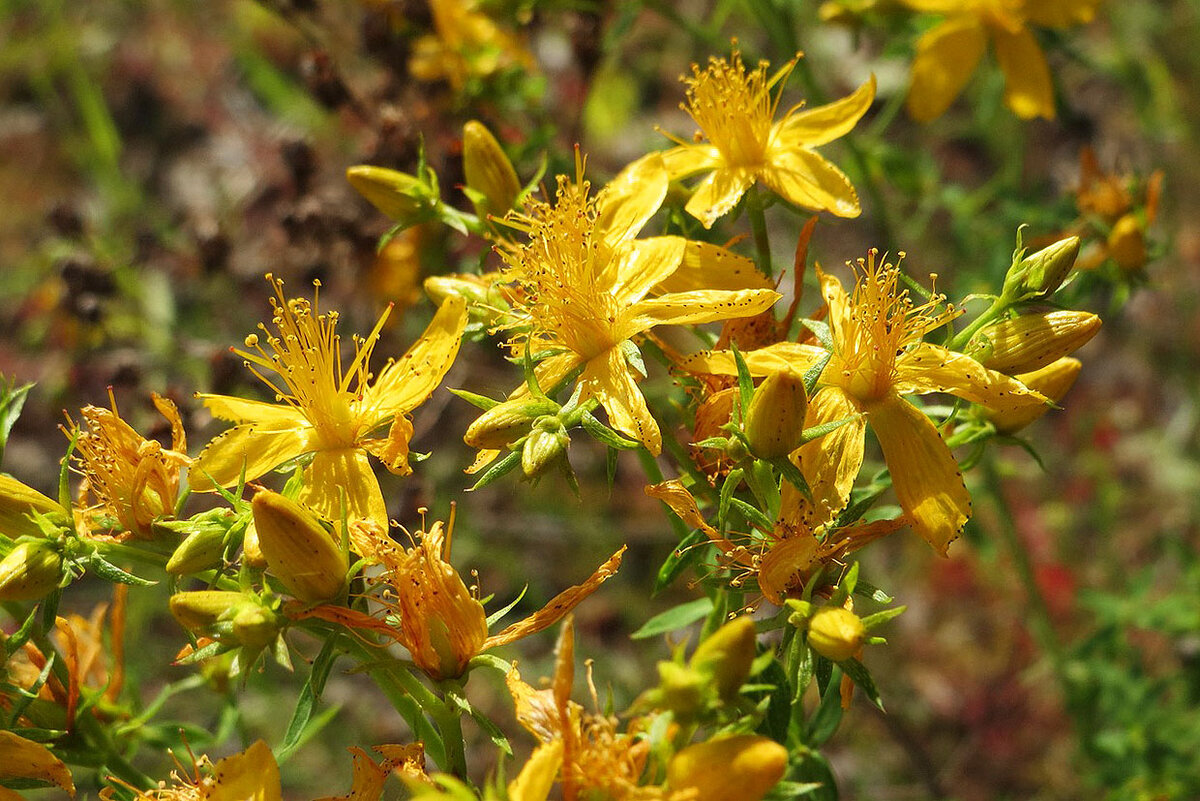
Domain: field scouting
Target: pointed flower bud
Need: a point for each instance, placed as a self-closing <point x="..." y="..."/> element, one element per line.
<point x="1040" y="274"/>
<point x="198" y="611"/>
<point x="204" y="541"/>
<point x="1032" y="341"/>
<point x="299" y="550"/>
<point x="30" y="572"/>
<point x="18" y="504"/>
<point x="739" y="768"/>
<point x="1054" y="381"/>
<point x="727" y="656"/>
<point x="836" y="633"/>
<point x="1127" y="243"/>
<point x="775" y="418"/>
<point x="547" y="442"/>
<point x="507" y="421"/>
<point x="234" y="618"/>
<point x="488" y="170"/>
<point x="403" y="197"/>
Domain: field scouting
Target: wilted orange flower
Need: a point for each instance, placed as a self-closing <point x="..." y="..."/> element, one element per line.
<point x="948" y="54"/>
<point x="1124" y="208"/>
<point x="736" y="113"/>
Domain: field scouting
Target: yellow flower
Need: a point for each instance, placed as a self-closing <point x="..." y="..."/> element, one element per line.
<point x="325" y="410"/>
<point x="25" y="759"/>
<point x="585" y="284"/>
<point x="133" y="479"/>
<point x="432" y="611"/>
<point x="467" y="44"/>
<point x="877" y="358"/>
<point x="736" y="114"/>
<point x="948" y="54"/>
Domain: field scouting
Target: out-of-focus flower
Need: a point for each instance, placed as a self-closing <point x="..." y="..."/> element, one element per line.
<point x="467" y="44"/>
<point x="326" y="410"/>
<point x="134" y="480"/>
<point x="877" y="359"/>
<point x="25" y="759"/>
<point x="433" y="614"/>
<point x="252" y="775"/>
<point x="949" y="52"/>
<point x="735" y="112"/>
<point x="586" y="286"/>
<point x="1118" y="209"/>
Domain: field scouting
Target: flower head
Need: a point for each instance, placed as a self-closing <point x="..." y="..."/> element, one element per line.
<point x="327" y="408"/>
<point x="949" y="52"/>
<point x="467" y="44"/>
<point x="735" y="112"/>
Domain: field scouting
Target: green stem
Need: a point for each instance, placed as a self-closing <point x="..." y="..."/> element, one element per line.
<point x="448" y="719"/>
<point x="758" y="223"/>
<point x="999" y="305"/>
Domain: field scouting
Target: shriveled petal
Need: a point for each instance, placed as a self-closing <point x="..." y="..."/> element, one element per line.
<point x="761" y="362"/>
<point x="627" y="202"/>
<point x="252" y="775"/>
<point x="536" y="778"/>
<point x="718" y="193"/>
<point x="254" y="448"/>
<point x="392" y="450"/>
<point x="1028" y="90"/>
<point x="816" y="126"/>
<point x="25" y="759"/>
<point x="709" y="266"/>
<point x="685" y="160"/>
<point x="836" y="298"/>
<point x="1061" y="13"/>
<point x="167" y="408"/>
<point x="683" y="504"/>
<point x="788" y="561"/>
<point x="405" y="383"/>
<point x="925" y="475"/>
<point x="641" y="264"/>
<point x="946" y="58"/>
<point x="369" y="778"/>
<point x="701" y="306"/>
<point x="931" y="368"/>
<point x="608" y="378"/>
<point x="829" y="464"/>
<point x="808" y="180"/>
<point x="345" y="472"/>
<point x="559" y="606"/>
<point x="240" y="410"/>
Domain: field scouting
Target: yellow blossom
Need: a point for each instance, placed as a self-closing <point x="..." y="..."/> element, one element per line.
<point x="735" y="112"/>
<point x="877" y="358"/>
<point x="25" y="759"/>
<point x="467" y="44"/>
<point x="948" y="53"/>
<point x="134" y="480"/>
<point x="325" y="409"/>
<point x="587" y="283"/>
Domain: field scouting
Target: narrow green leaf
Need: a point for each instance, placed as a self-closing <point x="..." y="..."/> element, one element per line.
<point x="674" y="619"/>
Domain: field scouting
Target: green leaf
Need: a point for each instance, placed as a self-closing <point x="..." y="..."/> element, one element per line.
<point x="634" y="357"/>
<point x="505" y="465"/>
<point x="752" y="514"/>
<point x="879" y="618"/>
<point x="310" y="693"/>
<point x="727" y="489"/>
<point x="745" y="384"/>
<point x="859" y="675"/>
<point x="828" y="715"/>
<point x="478" y="401"/>
<point x="779" y="708"/>
<point x="820" y="328"/>
<point x="813" y="374"/>
<point x="605" y="435"/>
<point x="11" y="402"/>
<point x="674" y="619"/>
<point x="687" y="553"/>
<point x="106" y="570"/>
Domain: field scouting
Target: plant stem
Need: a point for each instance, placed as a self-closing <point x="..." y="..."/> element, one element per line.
<point x="963" y="337"/>
<point x="449" y="723"/>
<point x="758" y="223"/>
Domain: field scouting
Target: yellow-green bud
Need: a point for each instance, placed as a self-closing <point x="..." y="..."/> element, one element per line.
<point x="18" y="503"/>
<point x="232" y="617"/>
<point x="299" y="550"/>
<point x="488" y="170"/>
<point x="507" y="422"/>
<point x="547" y="441"/>
<point x="727" y="656"/>
<point x="254" y="625"/>
<point x="401" y="196"/>
<point x="204" y="544"/>
<point x="1054" y="381"/>
<point x="1032" y="341"/>
<point x="30" y="572"/>
<point x="836" y="633"/>
<point x="739" y="768"/>
<point x="252" y="554"/>
<point x="198" y="611"/>
<point x="774" y="422"/>
<point x="1127" y="243"/>
<point x="1040" y="274"/>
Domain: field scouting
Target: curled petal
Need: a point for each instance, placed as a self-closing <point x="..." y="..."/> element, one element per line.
<point x="608" y="378"/>
<point x="829" y="464"/>
<point x="392" y="450"/>
<point x="946" y="58"/>
<point x="25" y="759"/>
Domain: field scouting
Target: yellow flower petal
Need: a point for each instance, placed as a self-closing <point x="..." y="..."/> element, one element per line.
<point x="642" y="264"/>
<point x="536" y="778"/>
<point x="709" y="266"/>
<point x="627" y="202"/>
<point x="806" y="179"/>
<point x="772" y="358"/>
<point x="829" y="464"/>
<point x="816" y="126"/>
<point x="1061" y="13"/>
<point x="925" y="475"/>
<point x="701" y="306"/>
<point x="250" y="447"/>
<point x="607" y="377"/>
<point x="1028" y="90"/>
<point x="392" y="450"/>
<point x="403" y="384"/>
<point x="559" y="606"/>
<point x="240" y="410"/>
<point x="346" y="472"/>
<point x="718" y="193"/>
<point x="685" y="160"/>
<point x="946" y="58"/>
<point x="25" y="759"/>
<point x="252" y="775"/>
<point x="931" y="368"/>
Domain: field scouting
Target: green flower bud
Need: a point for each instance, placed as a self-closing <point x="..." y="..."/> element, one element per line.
<point x="836" y="633"/>
<point x="1040" y="274"/>
<point x="300" y="551"/>
<point x="507" y="422"/>
<point x="774" y="422"/>
<point x="547" y="442"/>
<point x="403" y="197"/>
<point x="30" y="572"/>
<point x="18" y="504"/>
<point x="198" y="611"/>
<point x="203" y="544"/>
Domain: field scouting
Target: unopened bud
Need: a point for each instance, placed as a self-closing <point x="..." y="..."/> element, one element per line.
<point x="198" y="611"/>
<point x="680" y="689"/>
<point x="401" y="196"/>
<point x="203" y="544"/>
<point x="1127" y="243"/>
<point x="254" y="625"/>
<point x="234" y="618"/>
<point x="30" y="572"/>
<point x="472" y="288"/>
<point x="1032" y="341"/>
<point x="507" y="421"/>
<point x="18" y="503"/>
<point x="774" y="422"/>
<point x="299" y="550"/>
<point x="488" y="170"/>
<point x="252" y="553"/>
<point x="547" y="441"/>
<point x="836" y="633"/>
<point x="1054" y="381"/>
<point x="1040" y="274"/>
<point x="727" y="656"/>
<point x="739" y="768"/>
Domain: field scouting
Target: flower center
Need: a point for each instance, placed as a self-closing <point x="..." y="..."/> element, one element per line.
<point x="733" y="108"/>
